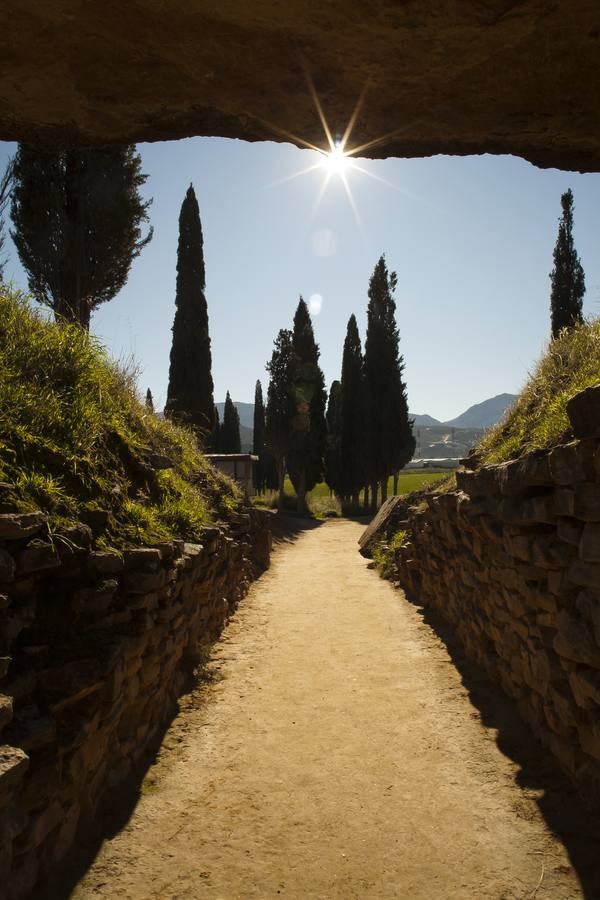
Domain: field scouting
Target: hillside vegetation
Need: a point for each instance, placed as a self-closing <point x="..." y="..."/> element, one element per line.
<point x="76" y="442"/>
<point x="538" y="418"/>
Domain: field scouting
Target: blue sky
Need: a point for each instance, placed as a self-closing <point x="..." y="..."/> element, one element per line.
<point x="470" y="238"/>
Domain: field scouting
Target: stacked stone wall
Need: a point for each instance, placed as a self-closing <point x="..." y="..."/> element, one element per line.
<point x="511" y="560"/>
<point x="94" y="651"/>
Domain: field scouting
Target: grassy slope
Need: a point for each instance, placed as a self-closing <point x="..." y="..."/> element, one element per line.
<point x="538" y="419"/>
<point x="75" y="440"/>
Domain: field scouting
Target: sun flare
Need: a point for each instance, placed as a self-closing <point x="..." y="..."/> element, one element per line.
<point x="337" y="162"/>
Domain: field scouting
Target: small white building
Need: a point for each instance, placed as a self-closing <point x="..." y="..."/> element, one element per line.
<point x="238" y="466"/>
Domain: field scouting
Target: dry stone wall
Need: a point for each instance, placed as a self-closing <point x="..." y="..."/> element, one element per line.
<point x="93" y="654"/>
<point x="512" y="561"/>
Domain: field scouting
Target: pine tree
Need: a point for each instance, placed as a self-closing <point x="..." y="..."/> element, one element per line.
<point x="333" y="456"/>
<point x="258" y="442"/>
<point x="78" y="219"/>
<point x="353" y="425"/>
<point x="149" y="401"/>
<point x="190" y="392"/>
<point x="230" y="429"/>
<point x="279" y="411"/>
<point x="567" y="278"/>
<point x="309" y="431"/>
<point x="390" y="442"/>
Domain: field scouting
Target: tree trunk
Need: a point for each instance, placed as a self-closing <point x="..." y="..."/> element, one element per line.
<point x="396" y="483"/>
<point x="301" y="506"/>
<point x="281" y="479"/>
<point x="374" y="492"/>
<point x="366" y="498"/>
<point x="384" y="487"/>
<point x="355" y="501"/>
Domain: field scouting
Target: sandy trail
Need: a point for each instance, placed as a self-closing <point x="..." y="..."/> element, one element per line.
<point x="339" y="756"/>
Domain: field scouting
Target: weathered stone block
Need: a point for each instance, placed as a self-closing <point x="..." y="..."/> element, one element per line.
<point x="13" y="766"/>
<point x="564" y="502"/>
<point x="589" y="547"/>
<point x="569" y="530"/>
<point x="37" y="557"/>
<point x="587" y="502"/>
<point x="14" y="526"/>
<point x="585" y="684"/>
<point x="583" y="411"/>
<point x="586" y="574"/>
<point x="6" y="710"/>
<point x="103" y="563"/>
<point x="589" y="734"/>
<point x="565" y="464"/>
<point x="144" y="582"/>
<point x="7" y="566"/>
<point x="142" y="559"/>
<point x="95" y="600"/>
<point x="574" y="641"/>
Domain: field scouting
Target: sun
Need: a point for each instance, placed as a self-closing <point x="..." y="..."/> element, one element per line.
<point x="336" y="161"/>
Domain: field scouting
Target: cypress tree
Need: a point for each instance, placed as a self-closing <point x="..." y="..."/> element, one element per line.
<point x="78" y="219"/>
<point x="390" y="443"/>
<point x="215" y="437"/>
<point x="279" y="412"/>
<point x="352" y="440"/>
<point x="567" y="278"/>
<point x="258" y="441"/>
<point x="149" y="401"/>
<point x="333" y="456"/>
<point x="309" y="430"/>
<point x="230" y="429"/>
<point x="5" y="189"/>
<point x="190" y="392"/>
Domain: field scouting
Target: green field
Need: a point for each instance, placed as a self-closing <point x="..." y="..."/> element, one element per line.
<point x="322" y="503"/>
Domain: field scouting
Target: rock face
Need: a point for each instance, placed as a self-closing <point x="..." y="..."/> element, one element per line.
<point x="94" y="651"/>
<point x="440" y="76"/>
<point x="512" y="561"/>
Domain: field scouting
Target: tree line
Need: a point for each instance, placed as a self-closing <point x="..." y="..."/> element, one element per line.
<point x="363" y="434"/>
<point x="78" y="223"/>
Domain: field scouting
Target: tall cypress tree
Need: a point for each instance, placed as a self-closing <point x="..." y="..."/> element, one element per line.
<point x="309" y="431"/>
<point x="353" y="425"/>
<point x="215" y="437"/>
<point x="279" y="412"/>
<point x="149" y="401"/>
<point x="390" y="443"/>
<point x="190" y="392"/>
<point x="78" y="219"/>
<point x="567" y="278"/>
<point x="258" y="440"/>
<point x="333" y="457"/>
<point x="230" y="429"/>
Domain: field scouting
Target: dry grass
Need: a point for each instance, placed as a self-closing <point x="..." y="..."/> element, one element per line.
<point x="74" y="436"/>
<point x="538" y="419"/>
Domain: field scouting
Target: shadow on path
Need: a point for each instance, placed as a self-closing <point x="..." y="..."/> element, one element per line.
<point x="112" y="816"/>
<point x="564" y="811"/>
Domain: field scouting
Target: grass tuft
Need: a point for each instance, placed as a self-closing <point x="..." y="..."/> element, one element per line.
<point x="538" y="418"/>
<point x="74" y="438"/>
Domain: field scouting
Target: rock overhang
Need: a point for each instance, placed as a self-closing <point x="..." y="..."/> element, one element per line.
<point x="438" y="76"/>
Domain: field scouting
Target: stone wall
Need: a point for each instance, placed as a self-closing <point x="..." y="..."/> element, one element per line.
<point x="512" y="561"/>
<point x="94" y="649"/>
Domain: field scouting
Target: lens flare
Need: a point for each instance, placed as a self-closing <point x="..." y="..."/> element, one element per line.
<point x="337" y="162"/>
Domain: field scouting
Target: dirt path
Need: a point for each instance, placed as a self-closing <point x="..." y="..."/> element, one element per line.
<point x="338" y="757"/>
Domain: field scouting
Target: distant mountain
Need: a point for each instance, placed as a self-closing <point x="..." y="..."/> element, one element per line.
<point x="245" y="411"/>
<point x="485" y="414"/>
<point x="424" y="419"/>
